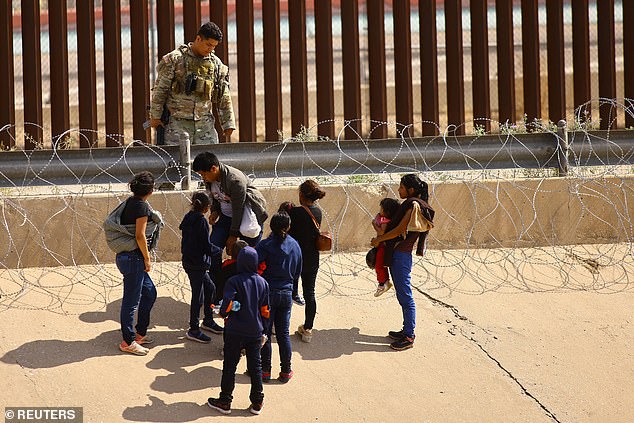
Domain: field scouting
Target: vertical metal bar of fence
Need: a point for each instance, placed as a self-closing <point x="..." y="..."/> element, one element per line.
<point x="628" y="62"/>
<point x="246" y="70"/>
<point x="351" y="68"/>
<point x="191" y="19"/>
<point x="218" y="15"/>
<point x="581" y="52"/>
<point x="140" y="68"/>
<point x="607" y="66"/>
<point x="403" y="67"/>
<point x="298" y="66"/>
<point x="165" y="27"/>
<point x="455" y="74"/>
<point x="112" y="72"/>
<point x="58" y="45"/>
<point x="7" y="104"/>
<point x="428" y="66"/>
<point x="87" y="73"/>
<point x="376" y="63"/>
<point x="530" y="60"/>
<point x="556" y="66"/>
<point x="506" y="61"/>
<point x="272" y="70"/>
<point x="480" y="64"/>
<point x="323" y="67"/>
<point x="31" y="73"/>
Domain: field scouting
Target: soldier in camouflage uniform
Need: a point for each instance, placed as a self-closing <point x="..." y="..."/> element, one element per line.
<point x="190" y="80"/>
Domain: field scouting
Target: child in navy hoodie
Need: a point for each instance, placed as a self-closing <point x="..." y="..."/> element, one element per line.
<point x="245" y="306"/>
<point x="197" y="250"/>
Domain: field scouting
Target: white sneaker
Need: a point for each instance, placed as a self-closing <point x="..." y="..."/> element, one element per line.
<point x="382" y="289"/>
<point x="306" y="334"/>
<point x="133" y="348"/>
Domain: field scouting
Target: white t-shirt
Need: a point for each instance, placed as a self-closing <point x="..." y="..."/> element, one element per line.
<point x="224" y="199"/>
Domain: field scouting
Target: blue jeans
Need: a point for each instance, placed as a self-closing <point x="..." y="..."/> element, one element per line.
<point x="280" y="303"/>
<point x="401" y="270"/>
<point x="203" y="291"/>
<point x="138" y="292"/>
<point x="233" y="344"/>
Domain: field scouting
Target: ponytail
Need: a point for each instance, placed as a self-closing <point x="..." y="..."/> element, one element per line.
<point x="280" y="224"/>
<point x="420" y="187"/>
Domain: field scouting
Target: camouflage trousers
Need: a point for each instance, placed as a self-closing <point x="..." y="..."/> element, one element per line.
<point x="200" y="131"/>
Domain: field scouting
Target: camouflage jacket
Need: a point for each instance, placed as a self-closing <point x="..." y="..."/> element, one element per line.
<point x="189" y="85"/>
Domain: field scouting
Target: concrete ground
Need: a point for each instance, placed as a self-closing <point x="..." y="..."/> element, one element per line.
<point x="488" y="349"/>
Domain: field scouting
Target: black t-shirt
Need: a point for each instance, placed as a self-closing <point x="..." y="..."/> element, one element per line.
<point x="134" y="209"/>
<point x="305" y="232"/>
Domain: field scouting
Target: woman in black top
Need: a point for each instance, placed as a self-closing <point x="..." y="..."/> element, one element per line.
<point x="303" y="229"/>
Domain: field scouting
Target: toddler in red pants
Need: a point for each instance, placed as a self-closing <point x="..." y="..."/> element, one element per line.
<point x="387" y="208"/>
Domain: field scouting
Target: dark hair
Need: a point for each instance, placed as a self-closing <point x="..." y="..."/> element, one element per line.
<point x="142" y="184"/>
<point x="390" y="206"/>
<point x="205" y="161"/>
<point x="311" y="190"/>
<point x="210" y="30"/>
<point x="280" y="222"/>
<point x="421" y="190"/>
<point x="200" y="201"/>
<point x="286" y="206"/>
<point x="237" y="246"/>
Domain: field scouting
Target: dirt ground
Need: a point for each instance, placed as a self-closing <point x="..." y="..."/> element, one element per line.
<point x="512" y="353"/>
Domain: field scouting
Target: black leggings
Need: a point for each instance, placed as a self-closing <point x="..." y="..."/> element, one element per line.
<point x="309" y="276"/>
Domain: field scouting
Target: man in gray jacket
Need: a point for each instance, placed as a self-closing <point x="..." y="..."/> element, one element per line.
<point x="232" y="197"/>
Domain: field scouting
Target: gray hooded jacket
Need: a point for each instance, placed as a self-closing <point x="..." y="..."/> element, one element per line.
<point x="121" y="238"/>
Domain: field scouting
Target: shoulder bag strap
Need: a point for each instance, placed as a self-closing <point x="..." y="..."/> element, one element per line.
<point x="311" y="216"/>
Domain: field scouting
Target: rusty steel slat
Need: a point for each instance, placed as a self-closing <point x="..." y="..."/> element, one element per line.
<point x="376" y="63"/>
<point x="429" y="66"/>
<point x="581" y="52"/>
<point x="112" y="72"/>
<point x="506" y="61"/>
<point x="351" y="69"/>
<point x="323" y="67"/>
<point x="218" y="15"/>
<point x="87" y="75"/>
<point x="556" y="75"/>
<point x="31" y="73"/>
<point x="7" y="102"/>
<point x="530" y="60"/>
<point x="480" y="64"/>
<point x="298" y="66"/>
<point x="607" y="66"/>
<point x="58" y="30"/>
<point x="191" y="19"/>
<point x="403" y="65"/>
<point x="165" y="27"/>
<point x="272" y="70"/>
<point x="455" y="75"/>
<point x="140" y="68"/>
<point x="628" y="62"/>
<point x="246" y="70"/>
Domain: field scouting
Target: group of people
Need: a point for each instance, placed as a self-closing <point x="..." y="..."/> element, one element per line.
<point x="253" y="291"/>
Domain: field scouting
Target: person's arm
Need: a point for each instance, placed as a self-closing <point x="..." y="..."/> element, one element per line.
<point x="162" y="88"/>
<point x="225" y="105"/>
<point x="265" y="310"/>
<point x="139" y="234"/>
<point x="208" y="248"/>
<point x="397" y="231"/>
<point x="227" y="297"/>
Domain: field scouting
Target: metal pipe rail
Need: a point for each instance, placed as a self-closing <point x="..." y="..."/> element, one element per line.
<point x="294" y="158"/>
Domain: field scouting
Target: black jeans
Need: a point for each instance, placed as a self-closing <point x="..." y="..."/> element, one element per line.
<point x="309" y="276"/>
<point x="203" y="291"/>
<point x="233" y="344"/>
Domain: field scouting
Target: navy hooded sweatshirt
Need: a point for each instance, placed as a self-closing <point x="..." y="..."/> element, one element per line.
<point x="252" y="292"/>
<point x="283" y="259"/>
<point x="196" y="246"/>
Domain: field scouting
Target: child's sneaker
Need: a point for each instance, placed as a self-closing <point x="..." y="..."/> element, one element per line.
<point x="396" y="335"/>
<point x="383" y="288"/>
<point x="212" y="327"/>
<point x="405" y="343"/>
<point x="305" y="334"/>
<point x="297" y="299"/>
<point x="198" y="337"/>
<point x="256" y="408"/>
<point x="217" y="404"/>
<point x="143" y="339"/>
<point x="266" y="377"/>
<point x="285" y="377"/>
<point x="133" y="348"/>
